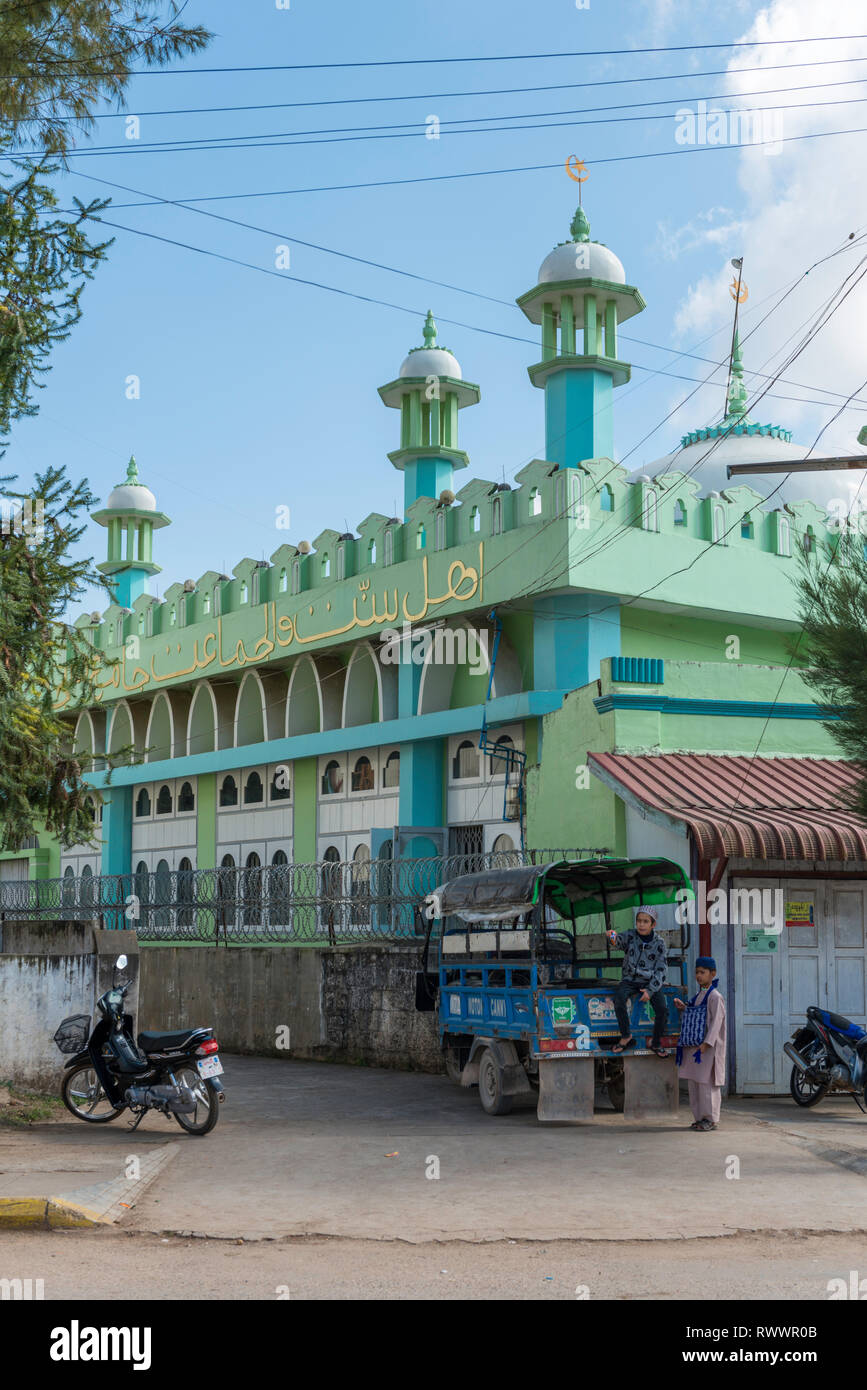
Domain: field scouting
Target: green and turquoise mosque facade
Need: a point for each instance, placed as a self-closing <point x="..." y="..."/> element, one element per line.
<point x="628" y="614"/>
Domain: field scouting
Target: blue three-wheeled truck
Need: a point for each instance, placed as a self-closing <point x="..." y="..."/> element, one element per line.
<point x="522" y="986"/>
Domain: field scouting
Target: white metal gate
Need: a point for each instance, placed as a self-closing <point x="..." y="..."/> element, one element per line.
<point x="822" y="962"/>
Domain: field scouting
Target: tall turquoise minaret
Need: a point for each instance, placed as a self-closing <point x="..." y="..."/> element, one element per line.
<point x="429" y="391"/>
<point x="580" y="300"/>
<point x="131" y="517"/>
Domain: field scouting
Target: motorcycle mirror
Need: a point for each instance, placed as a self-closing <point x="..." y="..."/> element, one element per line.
<point x="120" y="963"/>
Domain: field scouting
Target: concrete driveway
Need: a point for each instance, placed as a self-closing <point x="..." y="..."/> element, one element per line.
<point x="305" y="1148"/>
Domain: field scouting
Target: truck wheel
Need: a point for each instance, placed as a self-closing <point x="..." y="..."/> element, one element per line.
<point x="494" y="1102"/>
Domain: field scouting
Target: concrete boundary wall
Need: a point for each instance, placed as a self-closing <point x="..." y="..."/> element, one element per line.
<point x="343" y="1004"/>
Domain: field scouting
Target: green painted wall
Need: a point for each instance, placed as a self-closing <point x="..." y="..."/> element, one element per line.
<point x="304" y="815"/>
<point x="206" y="821"/>
<point x="678" y="638"/>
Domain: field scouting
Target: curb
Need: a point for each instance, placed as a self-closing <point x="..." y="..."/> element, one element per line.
<point x="102" y="1204"/>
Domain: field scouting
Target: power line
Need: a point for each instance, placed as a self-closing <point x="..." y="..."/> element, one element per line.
<point x="497" y="58"/>
<point x="286" y="140"/>
<point x="483" y="92"/>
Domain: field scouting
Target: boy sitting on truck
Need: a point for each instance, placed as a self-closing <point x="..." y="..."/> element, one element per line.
<point x="645" y="971"/>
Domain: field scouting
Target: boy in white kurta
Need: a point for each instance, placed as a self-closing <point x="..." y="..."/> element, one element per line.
<point x="701" y="1052"/>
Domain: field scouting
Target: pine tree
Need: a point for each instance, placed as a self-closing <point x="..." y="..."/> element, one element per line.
<point x="59" y="60"/>
<point x="833" y="600"/>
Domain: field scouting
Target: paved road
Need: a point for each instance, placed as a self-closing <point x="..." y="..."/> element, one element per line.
<point x="317" y="1149"/>
<point x="87" y="1265"/>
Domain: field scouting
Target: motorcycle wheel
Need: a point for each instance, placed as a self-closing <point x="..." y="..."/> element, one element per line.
<point x="82" y="1092"/>
<point x="207" y="1110"/>
<point x="804" y="1091"/>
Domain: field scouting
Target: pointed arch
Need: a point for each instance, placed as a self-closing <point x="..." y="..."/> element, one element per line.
<point x="370" y="689"/>
<point x="160" y="735"/>
<point x="202" y="720"/>
<point x="304" y="699"/>
<point x="457" y="668"/>
<point x="121" y="732"/>
<point x="84" y="738"/>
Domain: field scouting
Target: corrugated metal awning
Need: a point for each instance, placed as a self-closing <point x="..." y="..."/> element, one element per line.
<point x="755" y="808"/>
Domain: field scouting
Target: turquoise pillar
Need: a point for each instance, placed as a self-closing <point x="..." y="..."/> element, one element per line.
<point x="572" y="634"/>
<point x="421" y="792"/>
<point x="579" y="416"/>
<point x="426" y="477"/>
<point x="117" y="850"/>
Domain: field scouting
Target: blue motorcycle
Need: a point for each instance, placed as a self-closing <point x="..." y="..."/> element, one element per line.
<point x="829" y="1054"/>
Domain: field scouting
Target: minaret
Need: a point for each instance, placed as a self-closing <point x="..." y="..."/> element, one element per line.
<point x="580" y="299"/>
<point x="131" y="517"/>
<point x="429" y="391"/>
<point x="736" y="401"/>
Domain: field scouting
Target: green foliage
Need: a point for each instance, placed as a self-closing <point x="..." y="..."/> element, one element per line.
<point x="833" y="603"/>
<point x="44" y="666"/>
<point x="60" y="59"/>
<point x="44" y="264"/>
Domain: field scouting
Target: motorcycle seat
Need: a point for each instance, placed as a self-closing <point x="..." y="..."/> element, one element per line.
<point x="169" y="1042"/>
<point x="838" y="1022"/>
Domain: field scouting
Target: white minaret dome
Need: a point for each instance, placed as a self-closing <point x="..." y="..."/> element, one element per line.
<point x="581" y="258"/>
<point x="431" y="360"/>
<point x="131" y="495"/>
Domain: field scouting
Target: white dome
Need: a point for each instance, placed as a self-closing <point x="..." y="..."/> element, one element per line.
<point x="706" y="460"/>
<point x="131" y="497"/>
<point x="596" y="261"/>
<point x="432" y="361"/>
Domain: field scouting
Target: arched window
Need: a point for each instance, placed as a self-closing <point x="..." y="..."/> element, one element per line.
<point x="649" y="510"/>
<point x="466" y="761"/>
<point x="719" y="524"/>
<point x="254" y="792"/>
<point x="388" y="548"/>
<point x="278" y="889"/>
<point x="535" y="502"/>
<point x="391" y="771"/>
<point x="679" y="513"/>
<point x="606" y="499"/>
<point x="227" y="887"/>
<point x="110" y="642"/>
<point x="330" y="879"/>
<point x="252" y="890"/>
<point x="496" y="517"/>
<point x="371" y="551"/>
<point x="420" y="537"/>
<point x="325" y="566"/>
<point x="784" y="537"/>
<point x="186" y="798"/>
<point x="149" y="621"/>
<point x="359" y="887"/>
<point x="284" y="580"/>
<point x="362" y="776"/>
<point x="341" y="562"/>
<point x="501" y="765"/>
<point x="475" y="519"/>
<point x="560" y="494"/>
<point x="296" y="576"/>
<point x="440" y="530"/>
<point x="746" y="527"/>
<point x="809" y="541"/>
<point x="164" y="801"/>
<point x="185" y="893"/>
<point x="141" y="624"/>
<point x="143" y="803"/>
<point x="280" y="788"/>
<point x="172" y="615"/>
<point x="218" y="607"/>
<point x="255" y="579"/>
<point x="67" y="895"/>
<point x="163" y="895"/>
<point x="206" y="605"/>
<point x="332" y="779"/>
<point x="503" y="850"/>
<point x="86" y="889"/>
<point x="229" y="792"/>
<point x="243" y="591"/>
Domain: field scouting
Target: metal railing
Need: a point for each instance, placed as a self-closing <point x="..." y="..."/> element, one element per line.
<point x="319" y="902"/>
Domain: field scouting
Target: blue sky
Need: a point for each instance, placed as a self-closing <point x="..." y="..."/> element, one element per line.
<point x="257" y="393"/>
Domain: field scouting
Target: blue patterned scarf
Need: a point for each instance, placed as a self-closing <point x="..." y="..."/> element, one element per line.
<point x="693" y="1025"/>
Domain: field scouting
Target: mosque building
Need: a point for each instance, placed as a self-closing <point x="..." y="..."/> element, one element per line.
<point x="590" y="657"/>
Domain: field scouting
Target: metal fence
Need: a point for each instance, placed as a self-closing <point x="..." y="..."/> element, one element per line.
<point x="323" y="902"/>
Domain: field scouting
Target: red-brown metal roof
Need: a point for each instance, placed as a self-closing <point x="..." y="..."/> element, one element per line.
<point x="755" y="808"/>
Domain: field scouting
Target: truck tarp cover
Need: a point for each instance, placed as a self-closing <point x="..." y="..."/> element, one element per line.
<point x="580" y="889"/>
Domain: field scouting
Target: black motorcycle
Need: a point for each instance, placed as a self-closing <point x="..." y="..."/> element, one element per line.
<point x="111" y="1071"/>
<point x="829" y="1054"/>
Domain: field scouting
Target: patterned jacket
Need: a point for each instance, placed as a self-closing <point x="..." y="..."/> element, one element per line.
<point x="643" y="961"/>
